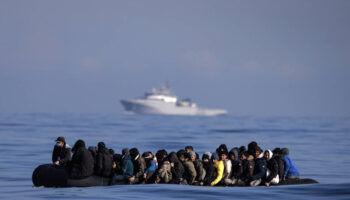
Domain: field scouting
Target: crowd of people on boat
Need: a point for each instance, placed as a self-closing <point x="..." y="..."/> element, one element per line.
<point x="240" y="166"/>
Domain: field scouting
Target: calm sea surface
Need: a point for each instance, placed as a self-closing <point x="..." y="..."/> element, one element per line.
<point x="320" y="148"/>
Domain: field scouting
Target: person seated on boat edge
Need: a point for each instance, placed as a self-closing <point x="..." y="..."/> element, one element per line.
<point x="236" y="169"/>
<point x="290" y="170"/>
<point x="177" y="170"/>
<point x="163" y="173"/>
<point x="248" y="165"/>
<point x="198" y="167"/>
<point x="259" y="168"/>
<point x="190" y="171"/>
<point x="104" y="162"/>
<point x="139" y="165"/>
<point x="242" y="149"/>
<point x="219" y="169"/>
<point x="151" y="166"/>
<point x="277" y="155"/>
<point x="82" y="164"/>
<point x="61" y="154"/>
<point x="227" y="167"/>
<point x="126" y="176"/>
<point x="209" y="169"/>
<point x="272" y="169"/>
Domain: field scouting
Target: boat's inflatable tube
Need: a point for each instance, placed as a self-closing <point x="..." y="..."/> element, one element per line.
<point x="49" y="175"/>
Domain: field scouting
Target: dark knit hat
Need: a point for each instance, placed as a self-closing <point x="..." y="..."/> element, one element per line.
<point x="191" y="153"/>
<point x="60" y="139"/>
<point x="215" y="156"/>
<point x="125" y="151"/>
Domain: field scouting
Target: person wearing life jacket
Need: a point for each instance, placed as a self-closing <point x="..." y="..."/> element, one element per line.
<point x="82" y="164"/>
<point x="272" y="176"/>
<point x="259" y="169"/>
<point x="219" y="169"/>
<point x="290" y="170"/>
<point x="139" y="165"/>
<point x="61" y="154"/>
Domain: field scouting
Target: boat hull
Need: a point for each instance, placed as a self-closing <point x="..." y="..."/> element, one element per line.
<point x="142" y="106"/>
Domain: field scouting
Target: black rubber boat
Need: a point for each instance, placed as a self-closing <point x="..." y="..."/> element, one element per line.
<point x="49" y="175"/>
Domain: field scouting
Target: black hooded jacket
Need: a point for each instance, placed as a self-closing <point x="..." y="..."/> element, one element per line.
<point x="82" y="164"/>
<point x="209" y="171"/>
<point x="280" y="162"/>
<point x="104" y="163"/>
<point x="273" y="167"/>
<point x="62" y="154"/>
<point x="178" y="170"/>
<point x="237" y="168"/>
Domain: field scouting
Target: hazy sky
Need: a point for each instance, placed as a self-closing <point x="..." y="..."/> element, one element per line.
<point x="260" y="58"/>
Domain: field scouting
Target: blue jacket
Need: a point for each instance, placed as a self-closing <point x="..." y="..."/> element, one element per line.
<point x="260" y="169"/>
<point x="152" y="167"/>
<point x="127" y="167"/>
<point x="290" y="168"/>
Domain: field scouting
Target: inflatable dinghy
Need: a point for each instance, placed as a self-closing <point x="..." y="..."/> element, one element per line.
<point x="49" y="175"/>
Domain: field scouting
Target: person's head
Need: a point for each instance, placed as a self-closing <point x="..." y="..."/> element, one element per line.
<point x="206" y="157"/>
<point x="60" y="141"/>
<point x="111" y="152"/>
<point x="285" y="151"/>
<point x="223" y="155"/>
<point x="276" y="151"/>
<point x="181" y="154"/>
<point x="188" y="149"/>
<point x="268" y="154"/>
<point x="192" y="155"/>
<point x="125" y="151"/>
<point x="258" y="151"/>
<point x="134" y="153"/>
<point x="222" y="147"/>
<point x="215" y="157"/>
<point x="78" y="144"/>
<point x="244" y="155"/>
<point x="100" y="146"/>
<point x="161" y="155"/>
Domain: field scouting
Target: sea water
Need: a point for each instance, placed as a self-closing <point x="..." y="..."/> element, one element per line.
<point x="319" y="147"/>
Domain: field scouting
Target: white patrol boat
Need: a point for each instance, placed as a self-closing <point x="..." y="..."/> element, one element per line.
<point x="163" y="102"/>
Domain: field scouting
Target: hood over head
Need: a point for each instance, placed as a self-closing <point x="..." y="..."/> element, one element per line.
<point x="234" y="151"/>
<point x="285" y="151"/>
<point x="270" y="154"/>
<point x="78" y="144"/>
<point x="134" y="153"/>
<point x="173" y="158"/>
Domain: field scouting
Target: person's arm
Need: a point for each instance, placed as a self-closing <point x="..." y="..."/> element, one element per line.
<point x="262" y="171"/>
<point x="67" y="157"/>
<point x="220" y="172"/>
